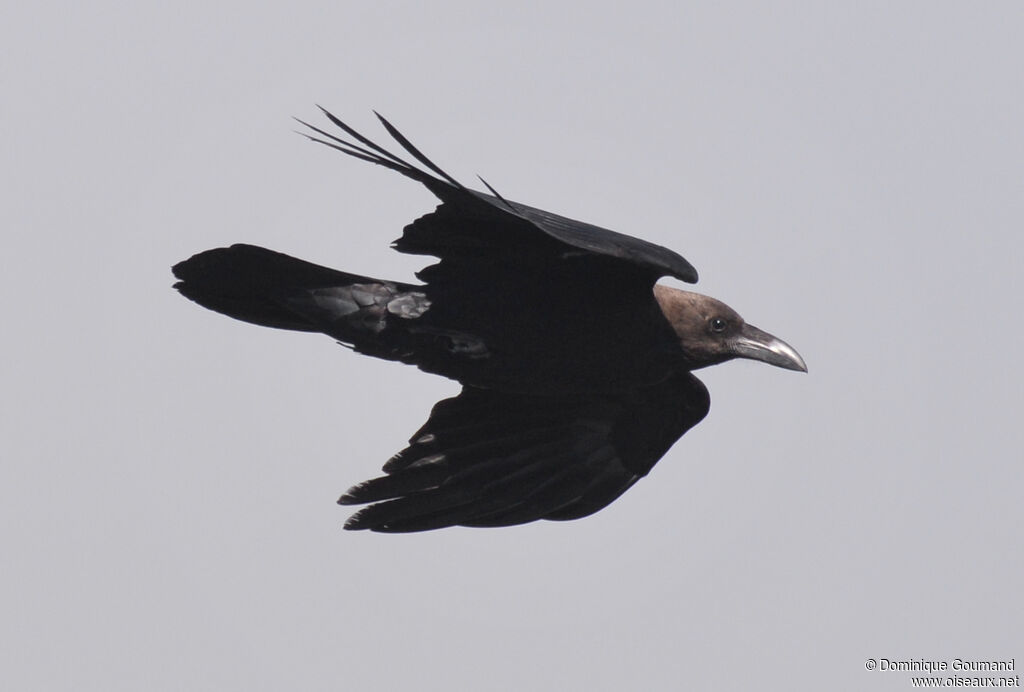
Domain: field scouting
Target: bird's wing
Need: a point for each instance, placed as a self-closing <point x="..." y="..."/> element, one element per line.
<point x="474" y="225"/>
<point x="490" y="458"/>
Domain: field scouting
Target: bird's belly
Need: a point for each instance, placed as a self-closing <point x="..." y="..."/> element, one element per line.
<point x="543" y="361"/>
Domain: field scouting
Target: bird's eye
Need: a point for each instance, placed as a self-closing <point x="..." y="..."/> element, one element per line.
<point x="718" y="325"/>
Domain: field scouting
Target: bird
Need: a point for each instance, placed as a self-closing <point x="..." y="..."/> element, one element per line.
<point x="575" y="364"/>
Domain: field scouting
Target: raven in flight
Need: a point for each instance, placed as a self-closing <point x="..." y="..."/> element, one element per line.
<point x="575" y="365"/>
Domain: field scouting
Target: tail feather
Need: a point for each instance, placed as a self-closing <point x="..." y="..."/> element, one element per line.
<point x="257" y="285"/>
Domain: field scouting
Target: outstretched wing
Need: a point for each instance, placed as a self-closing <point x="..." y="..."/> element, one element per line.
<point x="490" y="458"/>
<point x="472" y="225"/>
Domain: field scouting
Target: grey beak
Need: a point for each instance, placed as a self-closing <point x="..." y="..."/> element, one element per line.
<point x="753" y="343"/>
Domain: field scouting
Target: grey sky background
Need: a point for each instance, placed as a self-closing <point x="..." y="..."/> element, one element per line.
<point x="847" y="176"/>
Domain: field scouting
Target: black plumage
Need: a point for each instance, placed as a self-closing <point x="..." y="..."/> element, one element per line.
<point x="575" y="365"/>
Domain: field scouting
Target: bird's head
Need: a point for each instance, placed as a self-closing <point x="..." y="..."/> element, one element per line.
<point x="711" y="332"/>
